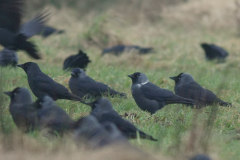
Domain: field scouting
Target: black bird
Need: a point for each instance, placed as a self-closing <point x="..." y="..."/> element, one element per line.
<point x="117" y="50"/>
<point x="51" y="117"/>
<point x="90" y="132"/>
<point x="23" y="113"/>
<point x="214" y="52"/>
<point x="41" y="84"/>
<point x="8" y="58"/>
<point x="28" y="29"/>
<point x="186" y="86"/>
<point x="85" y="87"/>
<point x="149" y="97"/>
<point x="80" y="60"/>
<point x="102" y="109"/>
<point x="47" y="31"/>
<point x="200" y="157"/>
<point x="12" y="35"/>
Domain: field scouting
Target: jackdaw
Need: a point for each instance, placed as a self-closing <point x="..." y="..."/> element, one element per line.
<point x="8" y="58"/>
<point x="41" y="84"/>
<point x="23" y="113"/>
<point x="80" y="60"/>
<point x="94" y="135"/>
<point x="52" y="117"/>
<point x="117" y="50"/>
<point x="28" y="29"/>
<point x="102" y="109"/>
<point x="47" y="31"/>
<point x="12" y="35"/>
<point x="186" y="86"/>
<point x="85" y="87"/>
<point x="149" y="97"/>
<point x="214" y="52"/>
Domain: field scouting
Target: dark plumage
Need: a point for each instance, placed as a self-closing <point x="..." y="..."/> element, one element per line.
<point x="149" y="97"/>
<point x="41" y="84"/>
<point x="122" y="48"/>
<point x="12" y="35"/>
<point x="84" y="86"/>
<point x="23" y="113"/>
<point x="8" y="58"/>
<point x="90" y="132"/>
<point x="80" y="60"/>
<point x="186" y="86"/>
<point x="51" y="117"/>
<point x="214" y="52"/>
<point x="47" y="31"/>
<point x="102" y="109"/>
<point x="200" y="157"/>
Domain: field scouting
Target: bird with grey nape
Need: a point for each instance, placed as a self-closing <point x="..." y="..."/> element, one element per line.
<point x="102" y="109"/>
<point x="51" y="117"/>
<point x="23" y="113"/>
<point x="149" y="97"/>
<point x="41" y="84"/>
<point x="85" y="87"/>
<point x="95" y="135"/>
<point x="13" y="36"/>
<point x="186" y="86"/>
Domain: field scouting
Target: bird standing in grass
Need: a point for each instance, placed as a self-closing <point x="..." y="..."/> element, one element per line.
<point x="149" y="97"/>
<point x="186" y="86"/>
<point x="13" y="36"/>
<point x="85" y="87"/>
<point x="41" y="84"/>
<point x="102" y="109"/>
<point x="214" y="52"/>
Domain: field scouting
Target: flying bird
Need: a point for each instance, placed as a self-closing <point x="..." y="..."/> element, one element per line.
<point x="79" y="60"/>
<point x="23" y="113"/>
<point x="213" y="51"/>
<point x="187" y="87"/>
<point x="103" y="111"/>
<point x="85" y="87"/>
<point x="46" y="31"/>
<point x="8" y="58"/>
<point x="41" y="84"/>
<point x="13" y="35"/>
<point x="119" y="49"/>
<point x="149" y="97"/>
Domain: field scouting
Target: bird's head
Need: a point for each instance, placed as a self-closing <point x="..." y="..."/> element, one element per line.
<point x="20" y="95"/>
<point x="182" y="78"/>
<point x="44" y="102"/>
<point x="102" y="104"/>
<point x="78" y="73"/>
<point x="27" y="67"/>
<point x="138" y="78"/>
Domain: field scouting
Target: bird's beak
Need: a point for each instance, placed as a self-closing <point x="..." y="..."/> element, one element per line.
<point x="173" y="78"/>
<point x="130" y="75"/>
<point x="8" y="93"/>
<point x="20" y="65"/>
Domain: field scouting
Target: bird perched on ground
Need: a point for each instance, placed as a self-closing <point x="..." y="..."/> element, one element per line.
<point x="117" y="50"/>
<point x="52" y="117"/>
<point x="28" y="29"/>
<point x="12" y="35"/>
<point x="214" y="52"/>
<point x="80" y="60"/>
<point x="200" y="157"/>
<point x="186" y="86"/>
<point x="23" y="113"/>
<point x="149" y="97"/>
<point x="41" y="84"/>
<point x="85" y="87"/>
<point x="90" y="132"/>
<point x="47" y="31"/>
<point x="8" y="58"/>
<point x="102" y="109"/>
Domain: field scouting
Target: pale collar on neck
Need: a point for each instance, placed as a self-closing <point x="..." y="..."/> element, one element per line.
<point x="141" y="84"/>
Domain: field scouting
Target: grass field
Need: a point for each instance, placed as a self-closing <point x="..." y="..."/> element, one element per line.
<point x="182" y="131"/>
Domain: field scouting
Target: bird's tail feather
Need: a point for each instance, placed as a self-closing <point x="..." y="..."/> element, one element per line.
<point x="181" y="100"/>
<point x="145" y="136"/>
<point x="223" y="103"/>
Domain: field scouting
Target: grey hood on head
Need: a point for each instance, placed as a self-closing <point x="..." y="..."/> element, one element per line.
<point x="182" y="79"/>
